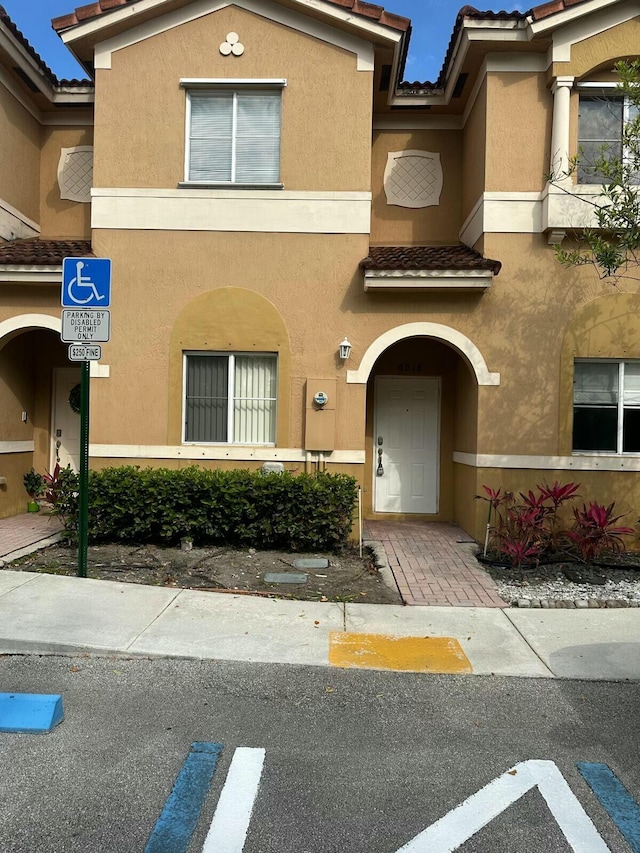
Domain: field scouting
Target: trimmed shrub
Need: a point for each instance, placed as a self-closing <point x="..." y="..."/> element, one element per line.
<point x="242" y="508"/>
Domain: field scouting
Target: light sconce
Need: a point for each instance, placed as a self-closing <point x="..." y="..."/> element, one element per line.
<point x="344" y="350"/>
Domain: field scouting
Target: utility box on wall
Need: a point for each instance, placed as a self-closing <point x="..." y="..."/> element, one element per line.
<point x="320" y="414"/>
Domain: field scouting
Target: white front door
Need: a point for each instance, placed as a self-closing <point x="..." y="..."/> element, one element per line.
<point x="407" y="431"/>
<point x="65" y="422"/>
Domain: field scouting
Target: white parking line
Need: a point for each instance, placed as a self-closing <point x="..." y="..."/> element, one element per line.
<point x="228" y="830"/>
<point x="458" y="825"/>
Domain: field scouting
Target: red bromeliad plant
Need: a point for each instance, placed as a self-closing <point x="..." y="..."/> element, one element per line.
<point x="594" y="531"/>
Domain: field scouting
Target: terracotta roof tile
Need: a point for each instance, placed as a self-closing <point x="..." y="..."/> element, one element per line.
<point x="48" y="73"/>
<point x="546" y="9"/>
<point x="101" y="7"/>
<point x="427" y="258"/>
<point x="6" y="20"/>
<point x="44" y="253"/>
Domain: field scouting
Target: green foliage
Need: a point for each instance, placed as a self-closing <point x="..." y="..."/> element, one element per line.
<point x="613" y="247"/>
<point x="242" y="508"/>
<point x="33" y="483"/>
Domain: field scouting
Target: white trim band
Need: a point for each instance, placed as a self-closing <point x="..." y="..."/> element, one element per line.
<point x="442" y="280"/>
<point x="30" y="274"/>
<point x="233" y="453"/>
<point x="543" y="463"/>
<point x="437" y="331"/>
<point x="17" y="446"/>
<point x="231" y="210"/>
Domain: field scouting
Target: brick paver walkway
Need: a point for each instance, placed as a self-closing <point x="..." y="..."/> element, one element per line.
<point x="20" y="531"/>
<point x="431" y="564"/>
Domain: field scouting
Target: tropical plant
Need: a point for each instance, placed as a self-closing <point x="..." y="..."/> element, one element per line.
<point x="33" y="483"/>
<point x="526" y="529"/>
<point x="595" y="531"/>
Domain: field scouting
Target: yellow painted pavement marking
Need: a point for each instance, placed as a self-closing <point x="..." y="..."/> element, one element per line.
<point x="410" y="654"/>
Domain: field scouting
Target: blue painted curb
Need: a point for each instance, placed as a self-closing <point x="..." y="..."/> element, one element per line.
<point x="30" y="712"/>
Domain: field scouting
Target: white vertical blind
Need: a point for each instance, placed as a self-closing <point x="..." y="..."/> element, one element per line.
<point x="234" y="137"/>
<point x="255" y="399"/>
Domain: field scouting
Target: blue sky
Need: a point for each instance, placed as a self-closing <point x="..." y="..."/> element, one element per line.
<point x="432" y="25"/>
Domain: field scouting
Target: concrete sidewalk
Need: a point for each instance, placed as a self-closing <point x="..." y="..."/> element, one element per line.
<point x="42" y="613"/>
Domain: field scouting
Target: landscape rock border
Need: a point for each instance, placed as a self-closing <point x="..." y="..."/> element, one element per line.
<point x="575" y="603"/>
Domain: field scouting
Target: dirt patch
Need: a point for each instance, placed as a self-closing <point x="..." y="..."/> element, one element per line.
<point x="348" y="576"/>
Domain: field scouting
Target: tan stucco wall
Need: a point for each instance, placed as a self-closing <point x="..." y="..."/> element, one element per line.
<point x="326" y="104"/>
<point x="312" y="282"/>
<point x="229" y="319"/>
<point x="13" y="498"/>
<point x="474" y="152"/>
<point x="60" y="217"/>
<point x="19" y="157"/>
<point x="603" y="49"/>
<point x="520" y="108"/>
<point x="606" y="327"/>
<point x="395" y="226"/>
<point x="16" y="389"/>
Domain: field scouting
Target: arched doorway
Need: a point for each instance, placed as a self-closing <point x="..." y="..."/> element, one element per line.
<point x="422" y="405"/>
<point x="39" y="426"/>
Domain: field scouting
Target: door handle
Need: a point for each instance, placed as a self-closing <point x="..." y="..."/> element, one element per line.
<point x="58" y="444"/>
<point x="379" y="469"/>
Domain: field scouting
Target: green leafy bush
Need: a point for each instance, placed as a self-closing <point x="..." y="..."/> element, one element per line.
<point x="243" y="508"/>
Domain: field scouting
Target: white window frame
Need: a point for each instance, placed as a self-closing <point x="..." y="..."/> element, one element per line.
<point x="620" y="408"/>
<point x="231" y="364"/>
<point x="592" y="89"/>
<point x="228" y="86"/>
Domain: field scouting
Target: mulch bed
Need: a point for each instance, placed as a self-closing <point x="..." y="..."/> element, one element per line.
<point x="348" y="577"/>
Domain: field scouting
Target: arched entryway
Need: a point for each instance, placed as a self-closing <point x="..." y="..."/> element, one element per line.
<point x="422" y="405"/>
<point x="38" y="425"/>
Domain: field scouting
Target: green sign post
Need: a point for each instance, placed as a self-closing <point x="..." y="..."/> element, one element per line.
<point x="86" y="292"/>
<point x="83" y="497"/>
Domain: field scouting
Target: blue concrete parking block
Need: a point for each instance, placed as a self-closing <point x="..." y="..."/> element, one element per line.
<point x="30" y="712"/>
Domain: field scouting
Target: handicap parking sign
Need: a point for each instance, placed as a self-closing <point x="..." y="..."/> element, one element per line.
<point x="86" y="282"/>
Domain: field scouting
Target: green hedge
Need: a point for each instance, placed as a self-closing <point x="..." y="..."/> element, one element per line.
<point x="244" y="508"/>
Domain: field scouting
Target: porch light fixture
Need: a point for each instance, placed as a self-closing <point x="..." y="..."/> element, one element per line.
<point x="344" y="350"/>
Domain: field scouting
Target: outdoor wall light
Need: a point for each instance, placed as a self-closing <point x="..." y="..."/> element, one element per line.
<point x="344" y="350"/>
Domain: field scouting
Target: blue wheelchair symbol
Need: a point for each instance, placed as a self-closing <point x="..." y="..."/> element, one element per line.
<point x="86" y="282"/>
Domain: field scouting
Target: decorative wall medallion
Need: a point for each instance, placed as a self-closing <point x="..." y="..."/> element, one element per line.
<point x="413" y="178"/>
<point x="75" y="173"/>
<point x="232" y="45"/>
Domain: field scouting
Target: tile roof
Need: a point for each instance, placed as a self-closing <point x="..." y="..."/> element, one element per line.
<point x="6" y="20"/>
<point x="359" y="7"/>
<point x="48" y="73"/>
<point x="546" y="9"/>
<point x="427" y="258"/>
<point x="43" y="253"/>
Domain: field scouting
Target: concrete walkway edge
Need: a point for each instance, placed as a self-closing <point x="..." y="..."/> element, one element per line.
<point x="48" y="614"/>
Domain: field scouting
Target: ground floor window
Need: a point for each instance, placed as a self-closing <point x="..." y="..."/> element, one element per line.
<point x="606" y="406"/>
<point x="230" y="398"/>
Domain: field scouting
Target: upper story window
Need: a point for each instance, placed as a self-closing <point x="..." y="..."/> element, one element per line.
<point x="606" y="406"/>
<point x="603" y="114"/>
<point x="233" y="133"/>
